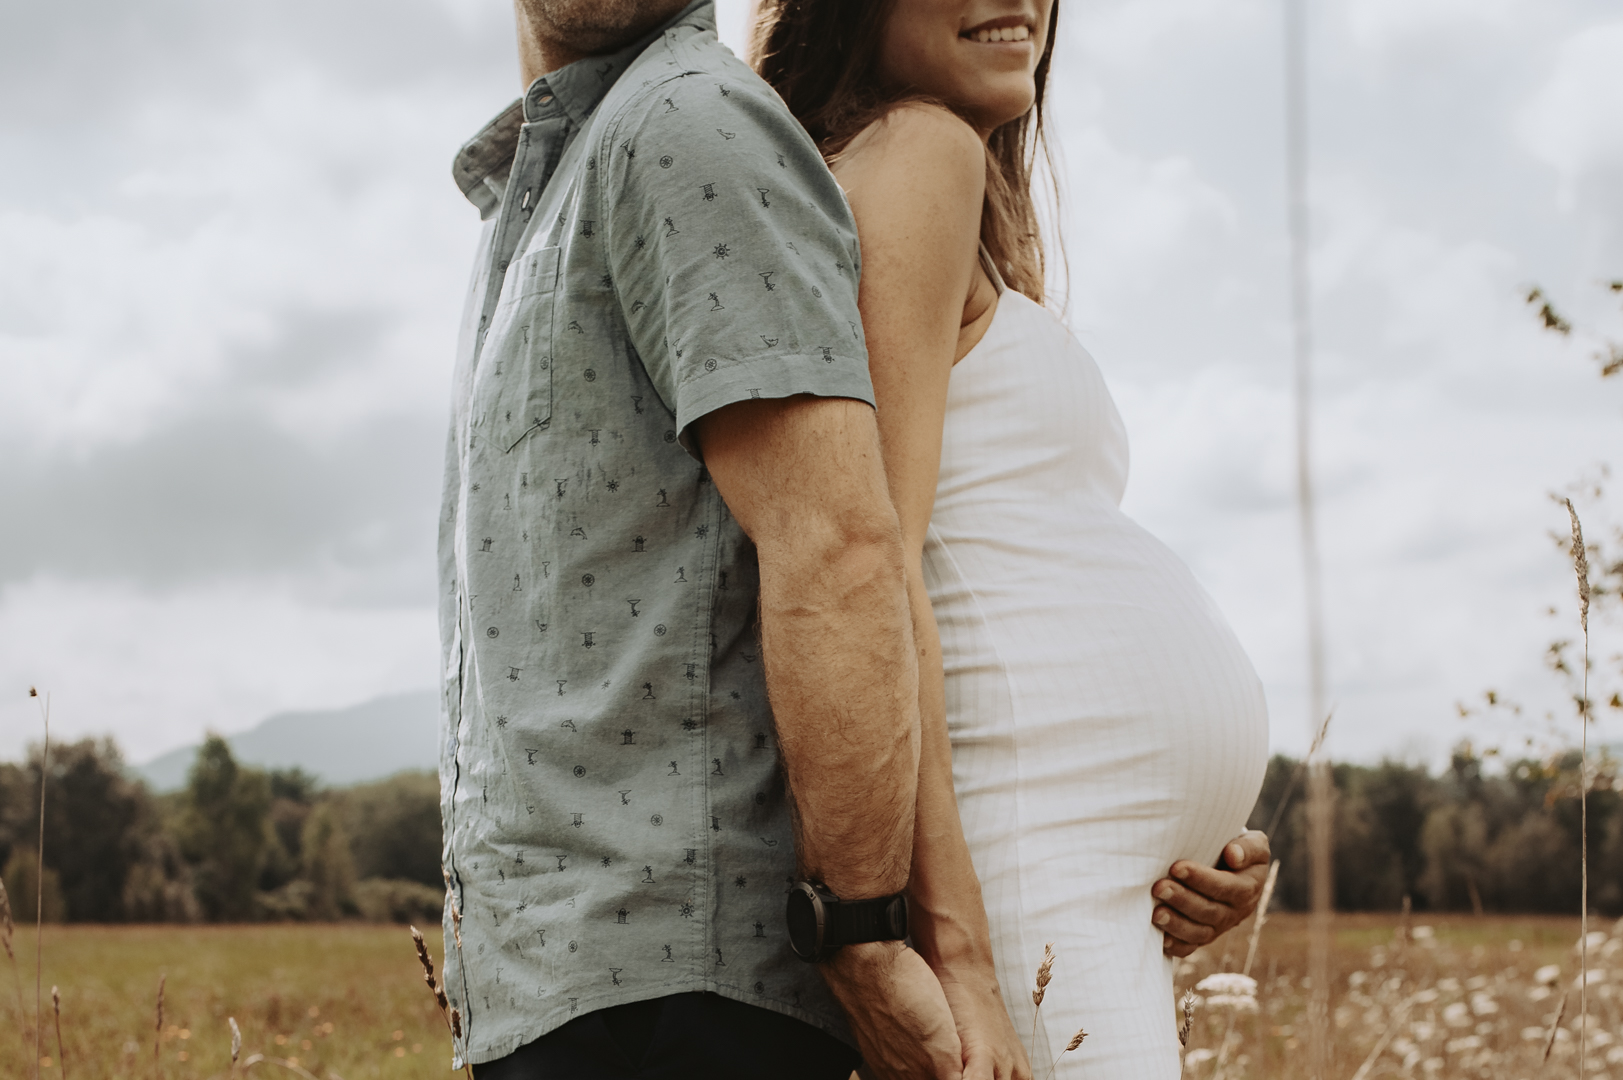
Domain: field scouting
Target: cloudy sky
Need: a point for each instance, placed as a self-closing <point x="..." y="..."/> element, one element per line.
<point x="231" y="263"/>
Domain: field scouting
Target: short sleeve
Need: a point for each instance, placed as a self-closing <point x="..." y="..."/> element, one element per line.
<point x="732" y="249"/>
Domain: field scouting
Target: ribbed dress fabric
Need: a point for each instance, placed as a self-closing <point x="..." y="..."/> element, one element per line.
<point x="1105" y="721"/>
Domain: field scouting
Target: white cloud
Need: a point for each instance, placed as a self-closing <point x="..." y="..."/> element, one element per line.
<point x="159" y="668"/>
<point x="1381" y="22"/>
<point x="1126" y="33"/>
<point x="1575" y="121"/>
<point x="1443" y="415"/>
<point x="262" y="237"/>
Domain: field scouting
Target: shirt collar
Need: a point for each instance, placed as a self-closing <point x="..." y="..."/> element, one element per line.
<point x="481" y="166"/>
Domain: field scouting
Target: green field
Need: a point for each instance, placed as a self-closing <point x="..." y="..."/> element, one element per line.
<point x="344" y="999"/>
<point x="1458" y="999"/>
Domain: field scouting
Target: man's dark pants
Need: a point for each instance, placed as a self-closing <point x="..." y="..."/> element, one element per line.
<point x="694" y="1036"/>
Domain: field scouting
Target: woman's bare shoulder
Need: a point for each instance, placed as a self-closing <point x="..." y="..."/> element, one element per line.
<point x="921" y="140"/>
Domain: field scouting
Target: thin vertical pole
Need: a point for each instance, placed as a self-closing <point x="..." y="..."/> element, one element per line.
<point x="1320" y="794"/>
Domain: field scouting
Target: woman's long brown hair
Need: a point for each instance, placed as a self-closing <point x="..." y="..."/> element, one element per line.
<point x="822" y="57"/>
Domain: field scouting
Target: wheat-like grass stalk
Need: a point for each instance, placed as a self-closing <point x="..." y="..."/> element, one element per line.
<point x="39" y="882"/>
<point x="1045" y="974"/>
<point x="1261" y="916"/>
<point x="157" y="1038"/>
<point x="1297" y="773"/>
<point x="453" y="1018"/>
<point x="1251" y="949"/>
<point x="7" y="929"/>
<point x="1188" y="1024"/>
<point x="1076" y="1041"/>
<point x="1580" y="565"/>
<point x="285" y="1063"/>
<point x="1391" y="1029"/>
<point x="236" y="1042"/>
<point x="1555" y="1025"/>
<point x="456" y="912"/>
<point x="56" y="1007"/>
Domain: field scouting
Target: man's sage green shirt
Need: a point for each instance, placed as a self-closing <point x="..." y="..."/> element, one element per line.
<point x="662" y="239"/>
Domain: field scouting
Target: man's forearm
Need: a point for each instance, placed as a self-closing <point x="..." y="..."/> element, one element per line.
<point x="843" y="680"/>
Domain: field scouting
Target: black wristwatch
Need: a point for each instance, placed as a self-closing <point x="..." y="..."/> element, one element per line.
<point x="820" y="922"/>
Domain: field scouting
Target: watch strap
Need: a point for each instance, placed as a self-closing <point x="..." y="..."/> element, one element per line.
<point x="855" y="922"/>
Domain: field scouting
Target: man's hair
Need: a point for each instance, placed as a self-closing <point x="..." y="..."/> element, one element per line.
<point x="822" y="57"/>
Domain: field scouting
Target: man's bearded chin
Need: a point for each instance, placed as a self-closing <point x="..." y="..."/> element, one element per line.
<point x="594" y="26"/>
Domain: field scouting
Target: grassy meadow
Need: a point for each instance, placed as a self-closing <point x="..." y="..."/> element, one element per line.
<point x="345" y="999"/>
<point x="1457" y="996"/>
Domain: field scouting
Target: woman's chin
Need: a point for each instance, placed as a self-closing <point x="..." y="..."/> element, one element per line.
<point x="993" y="105"/>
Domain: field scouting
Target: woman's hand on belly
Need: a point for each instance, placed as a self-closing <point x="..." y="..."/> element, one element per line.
<point x="1199" y="904"/>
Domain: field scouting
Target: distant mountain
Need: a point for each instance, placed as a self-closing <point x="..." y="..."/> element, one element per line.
<point x="368" y="741"/>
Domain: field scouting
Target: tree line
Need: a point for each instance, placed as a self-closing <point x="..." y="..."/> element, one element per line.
<point x="237" y="844"/>
<point x="245" y="844"/>
<point x="1471" y="838"/>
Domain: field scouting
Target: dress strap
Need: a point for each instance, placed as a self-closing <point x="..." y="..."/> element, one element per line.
<point x="991" y="271"/>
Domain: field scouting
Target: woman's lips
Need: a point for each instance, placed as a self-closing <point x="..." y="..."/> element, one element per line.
<point x="992" y="34"/>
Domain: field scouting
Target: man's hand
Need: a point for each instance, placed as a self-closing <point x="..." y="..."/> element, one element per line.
<point x="1198" y="904"/>
<point x="897" y="1010"/>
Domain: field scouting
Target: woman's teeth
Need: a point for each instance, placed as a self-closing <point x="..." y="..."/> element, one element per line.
<point x="1007" y="33"/>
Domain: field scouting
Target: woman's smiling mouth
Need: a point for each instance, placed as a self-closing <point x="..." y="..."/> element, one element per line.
<point x="998" y="31"/>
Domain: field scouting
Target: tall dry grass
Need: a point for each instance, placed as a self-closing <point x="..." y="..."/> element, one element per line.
<point x="1464" y="996"/>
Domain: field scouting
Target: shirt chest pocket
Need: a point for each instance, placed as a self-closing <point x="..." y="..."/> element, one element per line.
<point x="513" y="388"/>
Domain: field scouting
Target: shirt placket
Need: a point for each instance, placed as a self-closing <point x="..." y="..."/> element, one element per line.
<point x="540" y="145"/>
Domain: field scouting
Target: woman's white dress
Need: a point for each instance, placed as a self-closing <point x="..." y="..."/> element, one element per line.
<point x="1105" y="721"/>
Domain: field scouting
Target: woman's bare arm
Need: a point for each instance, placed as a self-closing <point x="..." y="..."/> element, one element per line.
<point x="915" y="181"/>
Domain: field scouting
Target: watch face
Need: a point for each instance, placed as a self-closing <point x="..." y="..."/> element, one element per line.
<point x="804" y="932"/>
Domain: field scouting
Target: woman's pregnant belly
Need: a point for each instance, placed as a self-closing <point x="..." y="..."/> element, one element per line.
<point x="1105" y="723"/>
<point x="1134" y="704"/>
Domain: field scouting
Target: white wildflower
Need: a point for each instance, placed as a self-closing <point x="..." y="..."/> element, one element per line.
<point x="1461" y="1045"/>
<point x="1483" y="1004"/>
<point x="1449" y="986"/>
<point x="1547" y="974"/>
<point x="1199" y="1057"/>
<point x="1237" y="1002"/>
<point x="1539" y="993"/>
<point x="1228" y="982"/>
<point x="1425" y="997"/>
<point x="1423" y="1029"/>
<point x="1457" y="1014"/>
<point x="1533" y="1034"/>
<point x="1423" y="933"/>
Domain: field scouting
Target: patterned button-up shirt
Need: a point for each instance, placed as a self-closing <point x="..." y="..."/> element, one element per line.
<point x="662" y="239"/>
